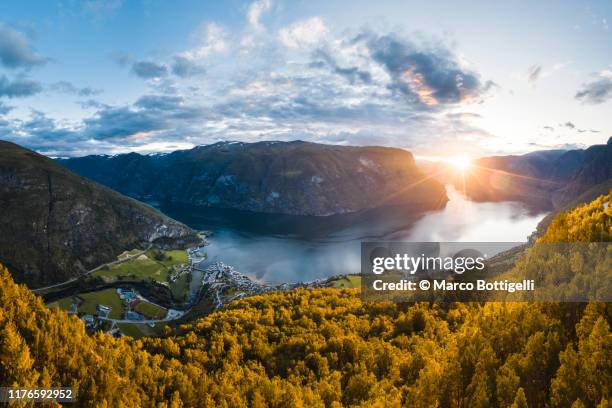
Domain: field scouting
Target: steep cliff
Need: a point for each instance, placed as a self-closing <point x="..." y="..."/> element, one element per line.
<point x="55" y="225"/>
<point x="276" y="177"/>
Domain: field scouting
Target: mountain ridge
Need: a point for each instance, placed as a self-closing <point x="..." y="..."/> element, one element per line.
<point x="300" y="178"/>
<point x="548" y="178"/>
<point x="57" y="225"/>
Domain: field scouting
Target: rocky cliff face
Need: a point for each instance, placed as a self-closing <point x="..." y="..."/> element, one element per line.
<point x="595" y="169"/>
<point x="276" y="177"/>
<point x="55" y="225"/>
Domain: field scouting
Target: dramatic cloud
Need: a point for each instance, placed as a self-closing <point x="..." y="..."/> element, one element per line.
<point x="429" y="77"/>
<point x="186" y="68"/>
<point x="597" y="91"/>
<point x="149" y="70"/>
<point x="255" y="12"/>
<point x="69" y="88"/>
<point x="533" y="73"/>
<point x="303" y="34"/>
<point x="15" y="51"/>
<point x="353" y="88"/>
<point x="138" y="123"/>
<point x="18" y="88"/>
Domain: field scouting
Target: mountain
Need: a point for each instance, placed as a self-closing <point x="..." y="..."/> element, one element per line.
<point x="595" y="168"/>
<point x="552" y="178"/>
<point x="275" y="177"/>
<point x="56" y="225"/>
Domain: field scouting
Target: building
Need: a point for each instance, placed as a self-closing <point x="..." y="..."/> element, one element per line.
<point x="126" y="294"/>
<point x="103" y="310"/>
<point x="88" y="319"/>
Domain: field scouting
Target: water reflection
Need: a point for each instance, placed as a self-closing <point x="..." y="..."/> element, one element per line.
<point x="281" y="248"/>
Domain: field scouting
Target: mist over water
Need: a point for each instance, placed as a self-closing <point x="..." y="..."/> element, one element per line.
<point x="283" y="248"/>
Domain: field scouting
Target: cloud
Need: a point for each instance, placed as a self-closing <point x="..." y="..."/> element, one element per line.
<point x="465" y="116"/>
<point x="597" y="91"/>
<point x="172" y="107"/>
<point x="147" y="116"/>
<point x="91" y="103"/>
<point x="4" y="109"/>
<point x="303" y="34"/>
<point x="15" y="51"/>
<point x="533" y="73"/>
<point x="149" y="70"/>
<point x="18" y="88"/>
<point x="571" y="126"/>
<point x="352" y="89"/>
<point x="256" y="11"/>
<point x="142" y="69"/>
<point x="212" y="38"/>
<point x="352" y="74"/>
<point x="69" y="88"/>
<point x="121" y="58"/>
<point x="429" y="77"/>
<point x="186" y="68"/>
<point x="122" y="122"/>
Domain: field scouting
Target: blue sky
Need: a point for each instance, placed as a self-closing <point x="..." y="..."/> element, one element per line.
<point x="438" y="78"/>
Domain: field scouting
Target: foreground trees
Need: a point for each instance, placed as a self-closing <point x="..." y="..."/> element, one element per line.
<point x="322" y="348"/>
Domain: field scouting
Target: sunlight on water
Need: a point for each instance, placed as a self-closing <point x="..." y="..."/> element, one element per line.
<point x="278" y="249"/>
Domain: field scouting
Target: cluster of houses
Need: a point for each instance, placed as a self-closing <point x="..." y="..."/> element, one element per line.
<point x="102" y="311"/>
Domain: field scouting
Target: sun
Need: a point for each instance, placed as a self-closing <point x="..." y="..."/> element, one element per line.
<point x="461" y="163"/>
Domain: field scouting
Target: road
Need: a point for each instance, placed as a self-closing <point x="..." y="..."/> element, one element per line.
<point x="118" y="261"/>
<point x="165" y="319"/>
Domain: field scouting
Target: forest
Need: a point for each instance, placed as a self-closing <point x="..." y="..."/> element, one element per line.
<point x="328" y="348"/>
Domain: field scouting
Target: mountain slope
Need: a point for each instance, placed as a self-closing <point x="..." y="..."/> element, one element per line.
<point x="276" y="177"/>
<point x="552" y="178"/>
<point x="55" y="225"/>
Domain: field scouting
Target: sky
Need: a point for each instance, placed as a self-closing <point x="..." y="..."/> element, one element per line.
<point x="439" y="78"/>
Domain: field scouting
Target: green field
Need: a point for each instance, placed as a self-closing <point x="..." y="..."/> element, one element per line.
<point x="150" y="310"/>
<point x="138" y="330"/>
<point x="180" y="287"/>
<point x="137" y="268"/>
<point x="64" y="304"/>
<point x="132" y="330"/>
<point x="350" y="281"/>
<point x="152" y="265"/>
<point x="107" y="297"/>
<point x="171" y="258"/>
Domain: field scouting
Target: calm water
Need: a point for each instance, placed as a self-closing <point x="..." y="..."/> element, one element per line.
<point x="279" y="248"/>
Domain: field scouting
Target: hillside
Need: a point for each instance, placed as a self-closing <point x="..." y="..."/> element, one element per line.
<point x="323" y="348"/>
<point x="56" y="225"/>
<point x="550" y="178"/>
<point x="276" y="177"/>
